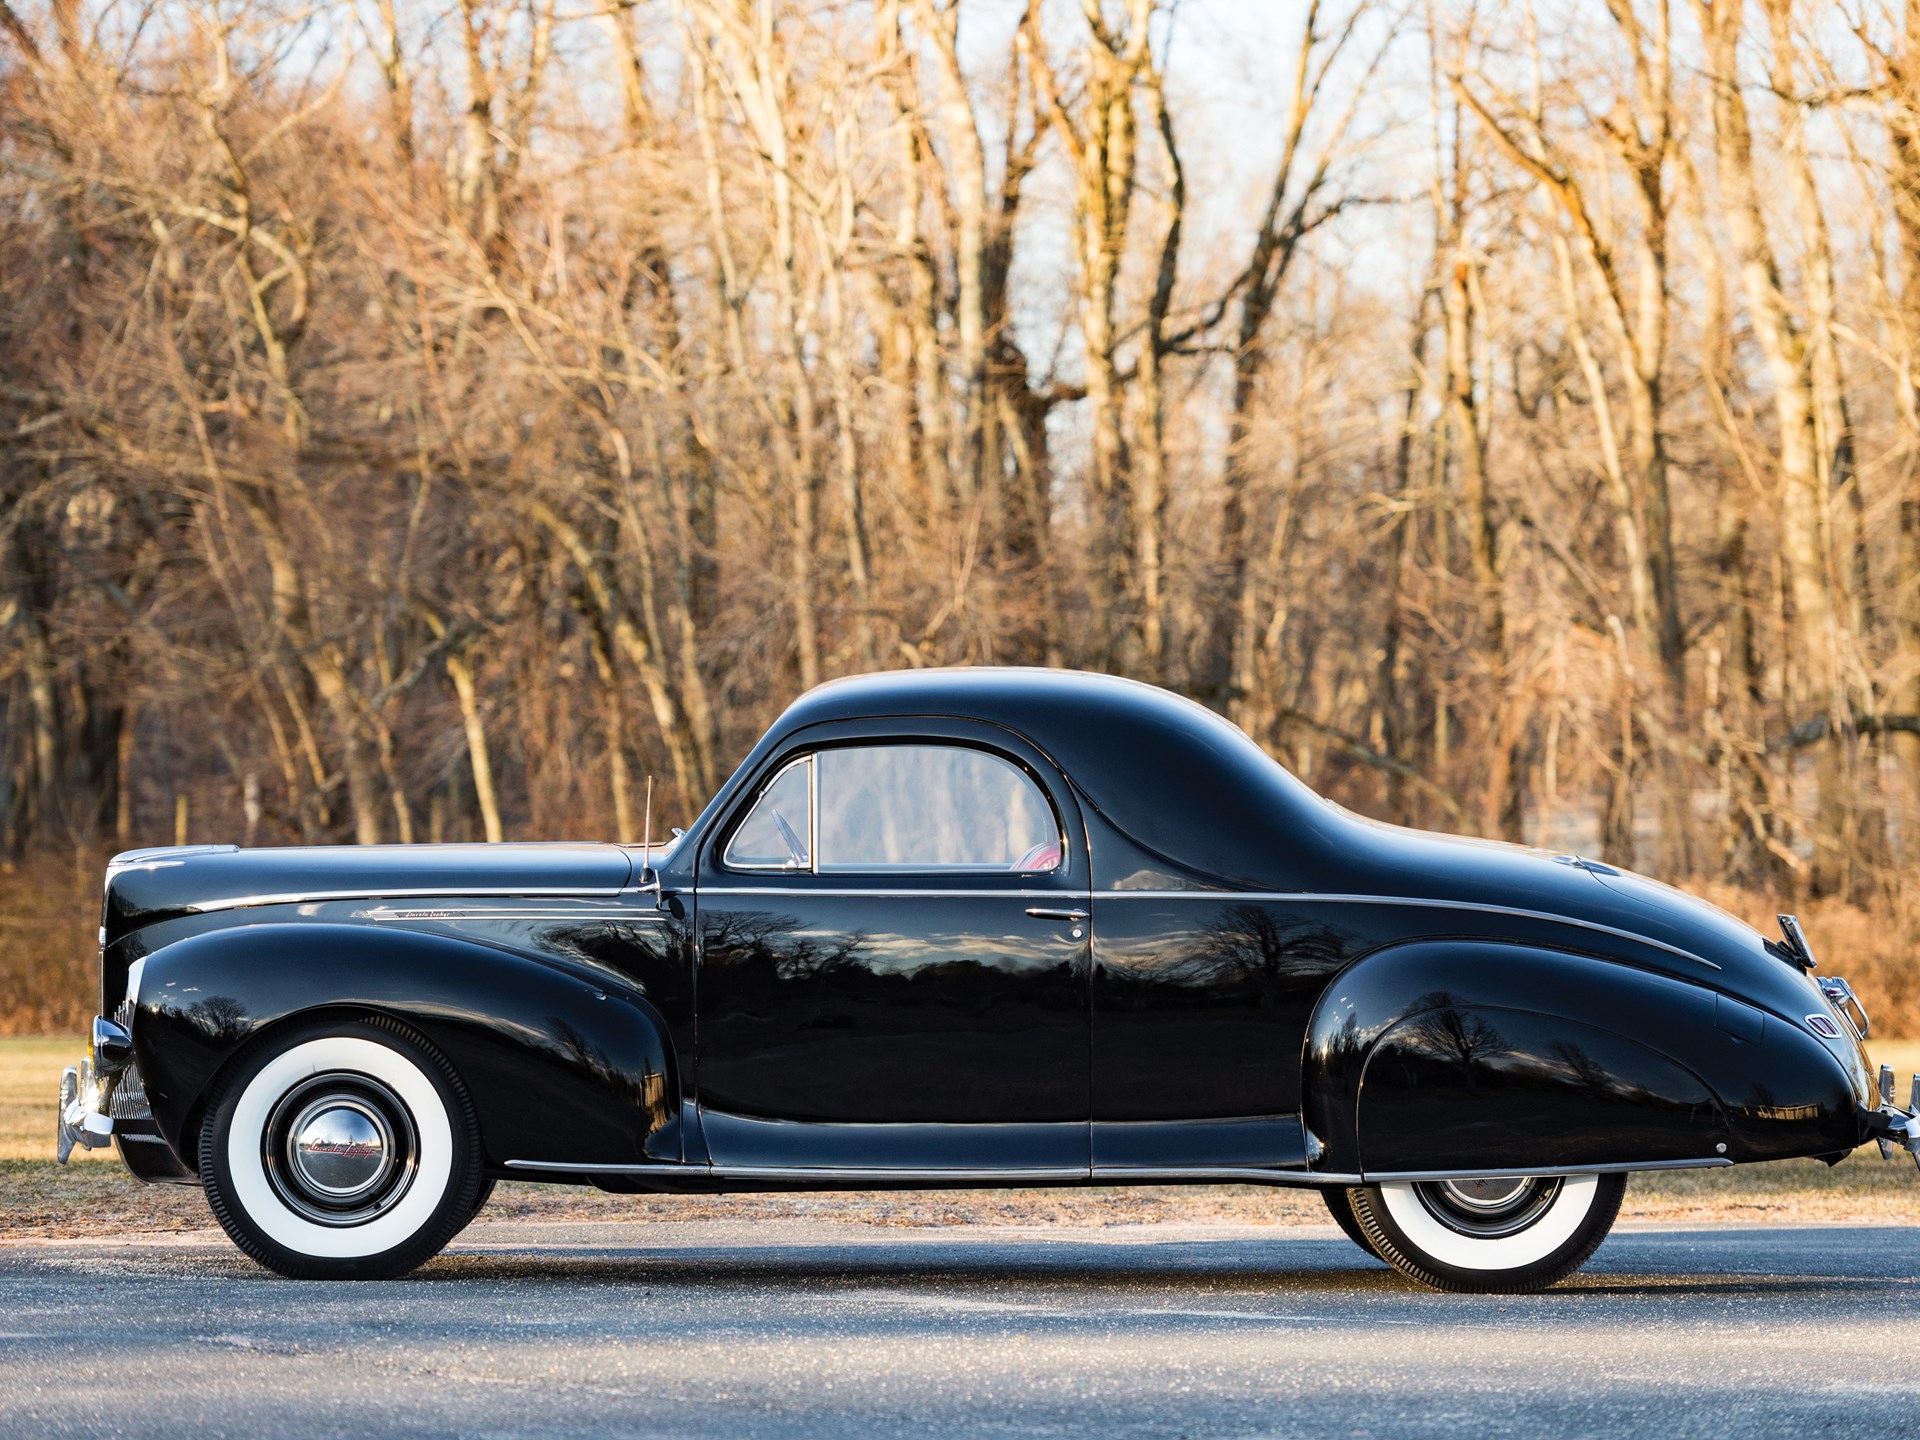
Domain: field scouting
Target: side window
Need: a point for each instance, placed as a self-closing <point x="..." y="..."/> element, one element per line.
<point x="930" y="808"/>
<point x="778" y="833"/>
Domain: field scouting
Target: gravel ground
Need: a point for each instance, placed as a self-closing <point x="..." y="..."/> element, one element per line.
<point x="794" y="1328"/>
<point x="1753" y="1301"/>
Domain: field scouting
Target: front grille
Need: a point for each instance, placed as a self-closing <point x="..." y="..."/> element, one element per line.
<point x="129" y="1098"/>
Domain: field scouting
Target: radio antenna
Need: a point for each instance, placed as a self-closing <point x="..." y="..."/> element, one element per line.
<point x="649" y="882"/>
<point x="646" y="837"/>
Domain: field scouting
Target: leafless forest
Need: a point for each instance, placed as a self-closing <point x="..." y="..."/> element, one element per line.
<point x="428" y="420"/>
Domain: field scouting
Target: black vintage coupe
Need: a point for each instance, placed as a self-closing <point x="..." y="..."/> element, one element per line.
<point x="959" y="928"/>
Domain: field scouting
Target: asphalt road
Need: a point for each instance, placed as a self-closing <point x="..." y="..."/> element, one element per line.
<point x="832" y="1330"/>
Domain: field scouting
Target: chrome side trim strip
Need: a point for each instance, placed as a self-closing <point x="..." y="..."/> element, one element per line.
<point x="663" y="1168"/>
<point x="783" y="1172"/>
<point x="375" y="892"/>
<point x="1312" y="897"/>
<point x="382" y="912"/>
<point x="1308" y="897"/>
<point x="1239" y="1175"/>
<point x="1106" y="1173"/>
<point x="804" y="1172"/>
<point x="1710" y="1162"/>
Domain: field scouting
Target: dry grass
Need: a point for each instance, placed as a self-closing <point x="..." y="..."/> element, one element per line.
<point x="1877" y="950"/>
<point x="49" y="973"/>
<point x="94" y="1196"/>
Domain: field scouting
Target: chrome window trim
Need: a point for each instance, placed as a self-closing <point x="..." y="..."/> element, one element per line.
<point x="811" y="757"/>
<point x="924" y="743"/>
<point x="727" y="862"/>
<point x="1316" y="897"/>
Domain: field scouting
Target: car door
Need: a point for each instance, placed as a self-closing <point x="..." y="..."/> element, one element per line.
<point x="892" y="971"/>
<point x="1200" y="1004"/>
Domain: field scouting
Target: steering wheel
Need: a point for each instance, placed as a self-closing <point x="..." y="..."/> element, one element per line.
<point x="796" y="847"/>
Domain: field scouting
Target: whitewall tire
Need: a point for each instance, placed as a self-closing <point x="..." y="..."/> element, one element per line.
<point x="1495" y="1236"/>
<point x="1340" y="1206"/>
<point x="342" y="1150"/>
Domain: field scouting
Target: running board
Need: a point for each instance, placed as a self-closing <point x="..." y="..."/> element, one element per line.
<point x="1104" y="1175"/>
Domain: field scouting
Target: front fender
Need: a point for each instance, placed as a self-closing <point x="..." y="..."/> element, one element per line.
<point x="1462" y="1055"/>
<point x="560" y="1067"/>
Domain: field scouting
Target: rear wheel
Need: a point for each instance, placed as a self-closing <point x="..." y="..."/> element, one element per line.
<point x="1490" y="1236"/>
<point x="480" y="1202"/>
<point x="342" y="1151"/>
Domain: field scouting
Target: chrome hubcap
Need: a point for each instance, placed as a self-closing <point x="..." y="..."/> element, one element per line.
<point x="1488" y="1209"/>
<point x="1482" y="1194"/>
<point x="340" y="1149"/>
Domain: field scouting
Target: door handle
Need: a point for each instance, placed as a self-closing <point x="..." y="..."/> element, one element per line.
<point x="1041" y="913"/>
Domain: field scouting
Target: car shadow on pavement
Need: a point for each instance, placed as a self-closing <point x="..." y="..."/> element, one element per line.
<point x="1298" y="1266"/>
<point x="934" y="1263"/>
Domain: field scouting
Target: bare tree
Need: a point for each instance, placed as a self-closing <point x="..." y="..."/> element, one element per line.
<point x="461" y="424"/>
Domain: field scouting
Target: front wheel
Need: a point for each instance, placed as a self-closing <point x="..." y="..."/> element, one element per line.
<point x="1489" y="1236"/>
<point x="1340" y="1206"/>
<point x="345" y="1150"/>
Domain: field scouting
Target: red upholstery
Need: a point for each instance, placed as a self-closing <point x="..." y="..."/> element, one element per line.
<point x="1040" y="857"/>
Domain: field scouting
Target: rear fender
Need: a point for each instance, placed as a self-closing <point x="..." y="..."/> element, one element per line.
<point x="560" y="1067"/>
<point x="1460" y="1055"/>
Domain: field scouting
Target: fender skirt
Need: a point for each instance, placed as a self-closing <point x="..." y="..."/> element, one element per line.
<point x="1459" y="1055"/>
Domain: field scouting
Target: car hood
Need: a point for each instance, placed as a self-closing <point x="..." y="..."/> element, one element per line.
<point x="144" y="886"/>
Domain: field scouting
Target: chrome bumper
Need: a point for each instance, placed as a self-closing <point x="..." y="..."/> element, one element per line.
<point x="1891" y="1126"/>
<point x="102" y="1098"/>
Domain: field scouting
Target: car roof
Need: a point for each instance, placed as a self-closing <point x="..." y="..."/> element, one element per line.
<point x="978" y="690"/>
<point x="1179" y="779"/>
